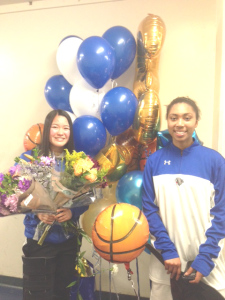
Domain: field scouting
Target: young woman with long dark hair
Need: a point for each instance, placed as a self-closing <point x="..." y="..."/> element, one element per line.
<point x="49" y="269"/>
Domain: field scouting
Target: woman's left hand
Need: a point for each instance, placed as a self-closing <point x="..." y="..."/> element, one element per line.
<point x="63" y="214"/>
<point x="198" y="275"/>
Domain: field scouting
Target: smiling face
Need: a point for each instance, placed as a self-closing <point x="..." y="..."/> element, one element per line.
<point x="59" y="134"/>
<point x="182" y="122"/>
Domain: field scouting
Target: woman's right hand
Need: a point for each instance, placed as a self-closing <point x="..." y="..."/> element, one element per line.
<point x="46" y="218"/>
<point x="173" y="267"/>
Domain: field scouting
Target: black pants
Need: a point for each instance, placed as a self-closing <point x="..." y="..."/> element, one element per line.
<point x="65" y="254"/>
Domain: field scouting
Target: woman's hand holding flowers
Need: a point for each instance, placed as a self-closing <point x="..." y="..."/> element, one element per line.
<point x="46" y="218"/>
<point x="63" y="215"/>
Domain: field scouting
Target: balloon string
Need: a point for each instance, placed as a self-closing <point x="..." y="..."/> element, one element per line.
<point x="129" y="276"/>
<point x="98" y="104"/>
<point x="111" y="140"/>
<point x="100" y="280"/>
<point x="114" y="83"/>
<point x="138" y="282"/>
<point x="132" y="284"/>
<point x="117" y="296"/>
<point x="97" y="269"/>
<point x="110" y="283"/>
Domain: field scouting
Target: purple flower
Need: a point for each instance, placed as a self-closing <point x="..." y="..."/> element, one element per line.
<point x="14" y="170"/>
<point x="47" y="161"/>
<point x="3" y="198"/>
<point x="11" y="202"/>
<point x="24" y="184"/>
<point x="96" y="163"/>
<point x="1" y="177"/>
<point x="4" y="211"/>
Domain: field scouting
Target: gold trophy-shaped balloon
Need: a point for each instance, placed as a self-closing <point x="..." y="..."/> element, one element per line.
<point x="150" y="38"/>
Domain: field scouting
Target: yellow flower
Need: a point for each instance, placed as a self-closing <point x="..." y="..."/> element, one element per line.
<point x="92" y="176"/>
<point x="77" y="170"/>
<point x="82" y="165"/>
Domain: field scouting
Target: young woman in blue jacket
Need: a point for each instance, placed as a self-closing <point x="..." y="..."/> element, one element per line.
<point x="184" y="202"/>
<point x="49" y="269"/>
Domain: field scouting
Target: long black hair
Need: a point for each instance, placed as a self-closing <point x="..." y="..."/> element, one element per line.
<point x="44" y="147"/>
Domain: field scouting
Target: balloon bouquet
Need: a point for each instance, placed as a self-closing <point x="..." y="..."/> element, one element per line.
<point x="85" y="89"/>
<point x="116" y="126"/>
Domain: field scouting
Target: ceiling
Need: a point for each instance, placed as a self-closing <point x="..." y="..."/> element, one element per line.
<point x="8" y="2"/>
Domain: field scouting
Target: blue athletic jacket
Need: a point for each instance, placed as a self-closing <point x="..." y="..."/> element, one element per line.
<point x="184" y="202"/>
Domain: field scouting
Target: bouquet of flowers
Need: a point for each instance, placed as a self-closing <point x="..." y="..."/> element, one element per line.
<point x="12" y="188"/>
<point x="39" y="169"/>
<point x="81" y="178"/>
<point x="76" y="186"/>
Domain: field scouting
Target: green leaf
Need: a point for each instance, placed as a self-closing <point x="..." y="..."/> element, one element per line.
<point x="17" y="159"/>
<point x="82" y="269"/>
<point x="79" y="297"/>
<point x="82" y="254"/>
<point x="72" y="284"/>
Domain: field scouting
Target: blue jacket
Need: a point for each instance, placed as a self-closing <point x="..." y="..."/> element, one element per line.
<point x="184" y="202"/>
<point x="56" y="234"/>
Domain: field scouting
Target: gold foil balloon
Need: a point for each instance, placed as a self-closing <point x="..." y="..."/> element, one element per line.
<point x="88" y="218"/>
<point x="150" y="39"/>
<point x="115" y="158"/>
<point x="147" y="118"/>
<point x="151" y="34"/>
<point x="145" y="152"/>
<point x="127" y="140"/>
<point x="151" y="81"/>
<point x="119" y="171"/>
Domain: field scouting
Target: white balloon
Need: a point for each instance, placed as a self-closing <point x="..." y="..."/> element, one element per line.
<point x="85" y="100"/>
<point x="72" y="116"/>
<point x="66" y="58"/>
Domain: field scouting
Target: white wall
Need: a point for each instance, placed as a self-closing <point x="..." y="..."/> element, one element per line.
<point x="29" y="37"/>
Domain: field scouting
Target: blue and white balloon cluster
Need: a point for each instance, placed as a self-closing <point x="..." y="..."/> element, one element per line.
<point x="85" y="88"/>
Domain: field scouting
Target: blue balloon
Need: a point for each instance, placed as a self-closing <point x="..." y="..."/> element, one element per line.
<point x="57" y="91"/>
<point x="124" y="44"/>
<point x="129" y="189"/>
<point x="117" y="110"/>
<point x="96" y="61"/>
<point x="164" y="137"/>
<point x="89" y="135"/>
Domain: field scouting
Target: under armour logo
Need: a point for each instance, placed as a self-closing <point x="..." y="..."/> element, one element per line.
<point x="167" y="162"/>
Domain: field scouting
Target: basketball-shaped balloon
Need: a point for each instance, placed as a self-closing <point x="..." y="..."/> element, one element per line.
<point x="33" y="136"/>
<point x="120" y="233"/>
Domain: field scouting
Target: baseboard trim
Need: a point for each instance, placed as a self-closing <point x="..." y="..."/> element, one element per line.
<point x="106" y="295"/>
<point x="12" y="281"/>
<point x="18" y="283"/>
